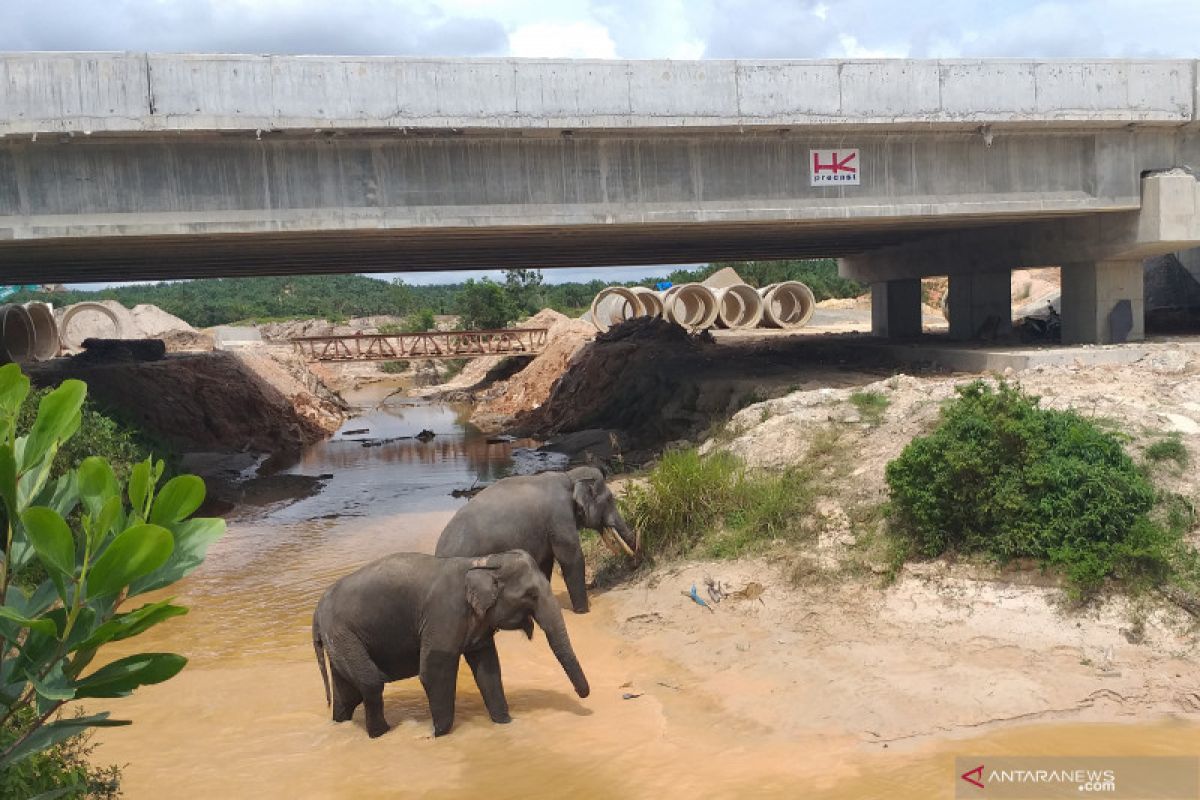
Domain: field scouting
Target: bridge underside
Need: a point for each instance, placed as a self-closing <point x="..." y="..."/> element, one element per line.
<point x="167" y="257"/>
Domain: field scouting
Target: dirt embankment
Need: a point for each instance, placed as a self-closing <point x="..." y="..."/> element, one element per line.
<point x="948" y="649"/>
<point x="220" y="401"/>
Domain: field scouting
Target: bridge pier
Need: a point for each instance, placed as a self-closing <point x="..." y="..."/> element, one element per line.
<point x="979" y="305"/>
<point x="896" y="308"/>
<point x="1102" y="302"/>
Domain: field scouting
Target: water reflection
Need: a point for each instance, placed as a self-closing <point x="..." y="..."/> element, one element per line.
<point x="398" y="473"/>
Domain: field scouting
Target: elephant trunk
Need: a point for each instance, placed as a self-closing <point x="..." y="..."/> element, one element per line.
<point x="549" y="618"/>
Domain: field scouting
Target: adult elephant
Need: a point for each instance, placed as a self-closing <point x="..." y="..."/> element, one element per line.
<point x="410" y="614"/>
<point x="542" y="515"/>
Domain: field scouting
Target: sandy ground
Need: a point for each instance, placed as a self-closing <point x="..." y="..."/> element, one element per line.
<point x="941" y="653"/>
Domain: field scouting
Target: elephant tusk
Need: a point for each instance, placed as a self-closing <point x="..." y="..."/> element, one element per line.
<point x="616" y="543"/>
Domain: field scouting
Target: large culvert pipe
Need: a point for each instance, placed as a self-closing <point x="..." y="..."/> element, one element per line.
<point x="16" y="334"/>
<point x="738" y="306"/>
<point x="787" y="305"/>
<point x="45" y="331"/>
<point x="64" y="328"/>
<point x="614" y="305"/>
<point x="690" y="305"/>
<point x="651" y="301"/>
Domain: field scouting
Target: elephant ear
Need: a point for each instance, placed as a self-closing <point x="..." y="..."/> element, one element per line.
<point x="584" y="495"/>
<point x="482" y="590"/>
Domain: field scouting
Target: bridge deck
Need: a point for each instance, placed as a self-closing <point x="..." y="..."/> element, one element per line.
<point x="429" y="344"/>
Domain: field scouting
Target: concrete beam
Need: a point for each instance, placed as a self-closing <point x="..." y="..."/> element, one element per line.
<point x="139" y="92"/>
<point x="1168" y="221"/>
<point x="896" y="309"/>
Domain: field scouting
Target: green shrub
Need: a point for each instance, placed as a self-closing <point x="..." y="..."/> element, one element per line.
<point x="1003" y="477"/>
<point x="65" y="767"/>
<point x="423" y="320"/>
<point x="394" y="367"/>
<point x="1168" y="449"/>
<point x="689" y="500"/>
<point x="389" y="329"/>
<point x="870" y="405"/>
<point x="453" y="366"/>
<point x="99" y="542"/>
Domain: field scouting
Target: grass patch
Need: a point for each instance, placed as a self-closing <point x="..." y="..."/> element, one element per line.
<point x="394" y="367"/>
<point x="870" y="405"/>
<point x="1169" y="448"/>
<point x="453" y="366"/>
<point x="64" y="770"/>
<point x="716" y="505"/>
<point x="1002" y="477"/>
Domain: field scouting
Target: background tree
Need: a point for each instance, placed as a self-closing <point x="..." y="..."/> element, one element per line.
<point x="484" y="304"/>
<point x="524" y="289"/>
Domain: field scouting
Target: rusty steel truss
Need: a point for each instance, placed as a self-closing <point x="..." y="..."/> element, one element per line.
<point x="430" y="344"/>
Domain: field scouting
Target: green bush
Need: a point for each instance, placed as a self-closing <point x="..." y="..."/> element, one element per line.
<point x="1003" y="477"/>
<point x="99" y="542"/>
<point x="66" y="767"/>
<point x="423" y="320"/>
<point x="870" y="405"/>
<point x="394" y="367"/>
<point x="1168" y="449"/>
<point x="690" y="500"/>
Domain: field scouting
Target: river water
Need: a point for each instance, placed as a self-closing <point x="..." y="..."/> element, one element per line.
<point x="247" y="717"/>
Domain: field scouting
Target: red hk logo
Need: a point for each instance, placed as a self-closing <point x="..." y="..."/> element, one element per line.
<point x="835" y="166"/>
<point x="977" y="780"/>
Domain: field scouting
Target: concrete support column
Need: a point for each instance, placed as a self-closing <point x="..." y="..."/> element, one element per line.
<point x="979" y="305"/>
<point x="896" y="308"/>
<point x="1102" y="302"/>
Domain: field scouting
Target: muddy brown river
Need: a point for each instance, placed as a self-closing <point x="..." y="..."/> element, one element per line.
<point x="247" y="717"/>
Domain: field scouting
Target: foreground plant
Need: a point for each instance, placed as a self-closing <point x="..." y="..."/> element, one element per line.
<point x="66" y="585"/>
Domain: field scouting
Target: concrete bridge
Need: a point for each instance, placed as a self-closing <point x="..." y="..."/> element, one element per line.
<point x="133" y="165"/>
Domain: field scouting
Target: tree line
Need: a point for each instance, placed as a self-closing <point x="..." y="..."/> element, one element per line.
<point x="480" y="303"/>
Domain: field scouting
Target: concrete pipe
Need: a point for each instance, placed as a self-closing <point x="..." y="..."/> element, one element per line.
<point x="614" y="305"/>
<point x="45" y="331"/>
<point x="651" y="300"/>
<point x="787" y="305"/>
<point x="738" y="306"/>
<point x="64" y="327"/>
<point x="16" y="334"/>
<point x="691" y="305"/>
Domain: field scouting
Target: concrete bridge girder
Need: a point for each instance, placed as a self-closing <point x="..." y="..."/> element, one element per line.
<point x="1101" y="256"/>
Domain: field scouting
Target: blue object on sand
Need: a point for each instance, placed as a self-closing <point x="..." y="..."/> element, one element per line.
<point x="698" y="599"/>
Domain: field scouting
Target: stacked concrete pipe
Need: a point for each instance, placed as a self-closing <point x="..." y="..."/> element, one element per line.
<point x="45" y="331"/>
<point x="652" y="304"/>
<point x="691" y="305"/>
<point x="738" y="306"/>
<point x="17" y="336"/>
<point x="787" y="305"/>
<point x="614" y="305"/>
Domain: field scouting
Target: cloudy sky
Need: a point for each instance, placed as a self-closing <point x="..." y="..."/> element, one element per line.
<point x="678" y="29"/>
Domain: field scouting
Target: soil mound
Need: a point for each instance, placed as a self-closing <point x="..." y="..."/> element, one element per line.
<point x="141" y="322"/>
<point x="529" y="389"/>
<point x="644" y="329"/>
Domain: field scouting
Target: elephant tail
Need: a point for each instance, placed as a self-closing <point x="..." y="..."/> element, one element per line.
<point x="319" y="648"/>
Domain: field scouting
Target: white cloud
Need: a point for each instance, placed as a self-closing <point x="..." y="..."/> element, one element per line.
<point x="561" y="40"/>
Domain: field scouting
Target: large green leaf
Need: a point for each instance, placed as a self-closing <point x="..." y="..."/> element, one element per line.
<point x="124" y="675"/>
<point x="192" y="539"/>
<point x="97" y="483"/>
<point x="132" y="623"/>
<point x="55" y="685"/>
<point x="181" y="495"/>
<point x="36" y="476"/>
<point x="41" y="625"/>
<point x="53" y="733"/>
<point x="140" y="487"/>
<point x="135" y="552"/>
<point x="14" y="387"/>
<point x="57" y="418"/>
<point x="51" y="539"/>
<point x="8" y="480"/>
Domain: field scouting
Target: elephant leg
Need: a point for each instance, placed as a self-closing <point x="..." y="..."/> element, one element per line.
<point x="346" y="698"/>
<point x="356" y="669"/>
<point x="547" y="567"/>
<point x="569" y="554"/>
<point x="485" y="665"/>
<point x="439" y="673"/>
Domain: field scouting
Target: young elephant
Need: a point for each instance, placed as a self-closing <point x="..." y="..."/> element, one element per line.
<point x="541" y="514"/>
<point x="410" y="614"/>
